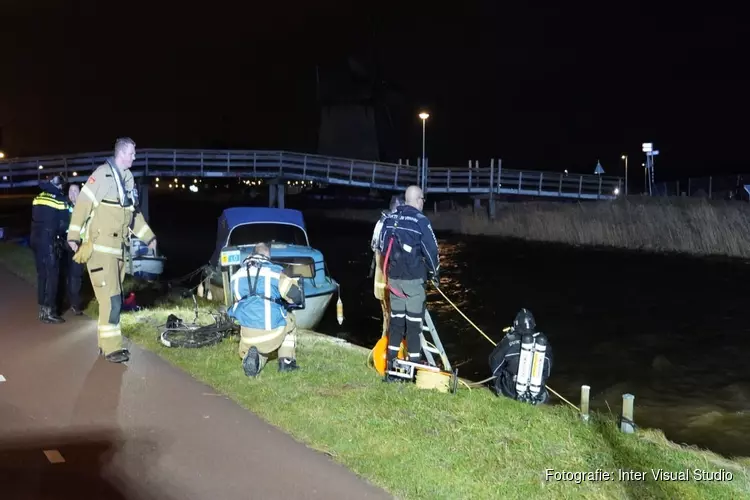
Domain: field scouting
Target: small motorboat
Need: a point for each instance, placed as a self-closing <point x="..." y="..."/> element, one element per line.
<point x="241" y="228"/>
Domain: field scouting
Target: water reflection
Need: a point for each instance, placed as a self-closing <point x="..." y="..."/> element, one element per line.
<point x="678" y="348"/>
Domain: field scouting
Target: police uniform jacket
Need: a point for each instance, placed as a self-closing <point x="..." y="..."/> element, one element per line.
<point x="414" y="251"/>
<point x="260" y="290"/>
<point x="49" y="215"/>
<point x="107" y="209"/>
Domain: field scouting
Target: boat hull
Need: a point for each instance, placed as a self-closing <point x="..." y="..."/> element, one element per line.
<point x="148" y="268"/>
<point x="144" y="263"/>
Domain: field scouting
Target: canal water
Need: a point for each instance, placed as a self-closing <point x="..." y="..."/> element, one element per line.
<point x="671" y="330"/>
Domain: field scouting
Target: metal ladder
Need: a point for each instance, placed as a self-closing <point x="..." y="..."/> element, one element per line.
<point x="407" y="370"/>
<point x="429" y="327"/>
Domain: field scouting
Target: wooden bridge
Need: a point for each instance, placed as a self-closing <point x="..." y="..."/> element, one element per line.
<point x="286" y="166"/>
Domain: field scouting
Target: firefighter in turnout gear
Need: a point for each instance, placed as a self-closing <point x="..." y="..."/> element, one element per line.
<point x="522" y="361"/>
<point x="411" y="257"/>
<point x="262" y="295"/>
<point x="49" y="215"/>
<point x="376" y="271"/>
<point x="107" y="212"/>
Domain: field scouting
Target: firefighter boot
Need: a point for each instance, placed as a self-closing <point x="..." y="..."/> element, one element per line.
<point x="391" y="378"/>
<point x="47" y="316"/>
<point x="119" y="356"/>
<point x="287" y="365"/>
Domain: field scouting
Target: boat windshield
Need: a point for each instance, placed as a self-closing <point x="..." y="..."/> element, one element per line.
<point x="250" y="234"/>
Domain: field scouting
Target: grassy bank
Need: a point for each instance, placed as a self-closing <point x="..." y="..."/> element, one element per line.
<point x="687" y="225"/>
<point x="421" y="444"/>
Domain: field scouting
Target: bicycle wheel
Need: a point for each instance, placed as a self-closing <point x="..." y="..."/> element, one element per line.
<point x="191" y="338"/>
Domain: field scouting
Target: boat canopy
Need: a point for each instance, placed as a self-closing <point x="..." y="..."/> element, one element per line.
<point x="267" y="225"/>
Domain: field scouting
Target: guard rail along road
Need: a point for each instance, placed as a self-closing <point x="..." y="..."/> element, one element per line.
<point x="283" y="165"/>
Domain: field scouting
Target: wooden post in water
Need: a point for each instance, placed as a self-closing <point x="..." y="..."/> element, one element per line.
<point x="626" y="422"/>
<point x="492" y="189"/>
<point x="585" y="389"/>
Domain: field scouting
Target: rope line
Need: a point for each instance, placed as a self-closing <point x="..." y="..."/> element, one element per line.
<point x="495" y="344"/>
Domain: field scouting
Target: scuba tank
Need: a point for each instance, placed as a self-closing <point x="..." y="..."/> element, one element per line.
<point x="524" y="366"/>
<point x="537" y="367"/>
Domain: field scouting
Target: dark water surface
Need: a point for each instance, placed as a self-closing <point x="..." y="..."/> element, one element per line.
<point x="671" y="330"/>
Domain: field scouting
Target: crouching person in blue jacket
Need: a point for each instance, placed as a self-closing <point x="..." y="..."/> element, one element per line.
<point x="262" y="294"/>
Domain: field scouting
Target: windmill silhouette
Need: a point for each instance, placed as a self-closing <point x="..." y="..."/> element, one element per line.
<point x="355" y="108"/>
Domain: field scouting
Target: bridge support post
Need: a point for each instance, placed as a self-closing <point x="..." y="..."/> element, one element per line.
<point x="280" y="191"/>
<point x="143" y="197"/>
<point x="272" y="191"/>
<point x="276" y="192"/>
<point x="491" y="207"/>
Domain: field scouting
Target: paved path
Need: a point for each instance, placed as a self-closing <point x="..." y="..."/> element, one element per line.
<point x="142" y="431"/>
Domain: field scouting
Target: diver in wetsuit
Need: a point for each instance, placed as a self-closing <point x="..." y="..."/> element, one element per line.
<point x="522" y="361"/>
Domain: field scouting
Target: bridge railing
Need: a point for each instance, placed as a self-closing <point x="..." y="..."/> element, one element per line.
<point x="721" y="187"/>
<point x="22" y="172"/>
<point x="217" y="163"/>
<point x="506" y="181"/>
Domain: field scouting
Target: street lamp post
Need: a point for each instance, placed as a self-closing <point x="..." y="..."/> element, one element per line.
<point x="424" y="116"/>
<point x="625" y="157"/>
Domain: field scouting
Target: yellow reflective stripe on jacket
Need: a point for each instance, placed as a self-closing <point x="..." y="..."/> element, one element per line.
<point x="50" y="202"/>
<point x="90" y="195"/>
<point x="107" y="250"/>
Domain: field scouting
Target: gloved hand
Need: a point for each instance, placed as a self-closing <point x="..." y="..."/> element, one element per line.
<point x="435" y="279"/>
<point x="83" y="252"/>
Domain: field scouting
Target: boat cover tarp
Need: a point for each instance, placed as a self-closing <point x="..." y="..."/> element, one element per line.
<point x="232" y="217"/>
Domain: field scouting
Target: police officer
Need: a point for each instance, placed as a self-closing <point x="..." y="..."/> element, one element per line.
<point x="49" y="214"/>
<point x="262" y="294"/>
<point x="379" y="284"/>
<point x="107" y="207"/>
<point x="411" y="257"/>
<point x="506" y="360"/>
<point x="73" y="270"/>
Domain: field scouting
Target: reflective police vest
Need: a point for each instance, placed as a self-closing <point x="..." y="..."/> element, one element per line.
<point x="260" y="307"/>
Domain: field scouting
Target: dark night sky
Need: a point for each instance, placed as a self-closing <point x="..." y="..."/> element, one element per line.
<point x="542" y="87"/>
